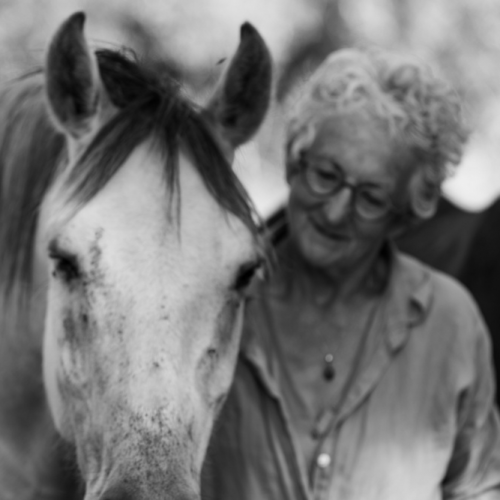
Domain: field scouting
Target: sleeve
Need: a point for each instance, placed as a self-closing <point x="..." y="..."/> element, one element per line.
<point x="474" y="468"/>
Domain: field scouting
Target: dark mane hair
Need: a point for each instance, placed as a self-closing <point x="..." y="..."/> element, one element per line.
<point x="150" y="105"/>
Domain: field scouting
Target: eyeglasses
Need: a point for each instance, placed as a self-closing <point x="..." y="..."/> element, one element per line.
<point x="325" y="178"/>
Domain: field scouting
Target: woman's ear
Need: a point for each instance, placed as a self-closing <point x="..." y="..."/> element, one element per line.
<point x="423" y="194"/>
<point x="422" y="202"/>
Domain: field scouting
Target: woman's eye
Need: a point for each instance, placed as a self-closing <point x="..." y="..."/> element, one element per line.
<point x="374" y="199"/>
<point x="245" y="275"/>
<point x="328" y="175"/>
<point x="323" y="181"/>
<point x="324" y="170"/>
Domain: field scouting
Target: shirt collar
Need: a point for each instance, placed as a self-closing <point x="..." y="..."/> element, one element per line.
<point x="407" y="298"/>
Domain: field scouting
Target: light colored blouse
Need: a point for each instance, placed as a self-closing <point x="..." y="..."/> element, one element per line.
<point x="418" y="421"/>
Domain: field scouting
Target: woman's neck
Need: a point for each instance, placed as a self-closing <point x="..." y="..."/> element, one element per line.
<point x="323" y="286"/>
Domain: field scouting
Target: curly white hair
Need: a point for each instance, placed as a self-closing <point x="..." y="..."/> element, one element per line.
<point x="420" y="109"/>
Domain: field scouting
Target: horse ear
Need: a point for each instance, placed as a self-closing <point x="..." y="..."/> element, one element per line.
<point x="242" y="97"/>
<point x="75" y="93"/>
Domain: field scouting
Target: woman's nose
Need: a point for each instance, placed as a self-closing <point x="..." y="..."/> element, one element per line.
<point x="338" y="206"/>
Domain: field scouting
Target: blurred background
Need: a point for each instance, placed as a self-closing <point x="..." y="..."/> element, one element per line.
<point x="190" y="38"/>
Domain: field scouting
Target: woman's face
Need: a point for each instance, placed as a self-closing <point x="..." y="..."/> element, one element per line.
<point x="328" y="230"/>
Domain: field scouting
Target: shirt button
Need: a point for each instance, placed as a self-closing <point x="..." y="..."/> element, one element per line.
<point x="323" y="460"/>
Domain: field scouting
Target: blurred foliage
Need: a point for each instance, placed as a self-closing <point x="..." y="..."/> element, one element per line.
<point x="190" y="36"/>
<point x="189" y="39"/>
<point x="461" y="38"/>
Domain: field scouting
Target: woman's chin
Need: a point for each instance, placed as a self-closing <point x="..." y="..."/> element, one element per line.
<point x="325" y="257"/>
<point x="320" y="250"/>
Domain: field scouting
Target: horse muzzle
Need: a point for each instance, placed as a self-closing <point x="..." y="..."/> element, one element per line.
<point x="126" y="492"/>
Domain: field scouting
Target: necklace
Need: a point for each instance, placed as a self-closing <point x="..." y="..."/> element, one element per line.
<point x="328" y="368"/>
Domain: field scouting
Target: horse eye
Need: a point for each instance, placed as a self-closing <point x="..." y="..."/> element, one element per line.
<point x="65" y="264"/>
<point x="246" y="273"/>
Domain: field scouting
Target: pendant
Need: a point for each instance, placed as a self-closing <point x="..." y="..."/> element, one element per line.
<point x="328" y="369"/>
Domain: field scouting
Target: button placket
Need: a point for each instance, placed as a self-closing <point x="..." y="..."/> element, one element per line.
<point x="323" y="460"/>
<point x="322" y="474"/>
<point x="323" y="463"/>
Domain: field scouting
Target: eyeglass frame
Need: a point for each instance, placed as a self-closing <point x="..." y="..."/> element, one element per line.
<point x="304" y="165"/>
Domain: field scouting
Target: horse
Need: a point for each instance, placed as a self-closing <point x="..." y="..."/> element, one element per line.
<point x="445" y="240"/>
<point x="126" y="246"/>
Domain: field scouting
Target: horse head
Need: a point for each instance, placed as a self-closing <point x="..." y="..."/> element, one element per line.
<point x="147" y="241"/>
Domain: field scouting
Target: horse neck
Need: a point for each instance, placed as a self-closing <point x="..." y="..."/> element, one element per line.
<point x="29" y="459"/>
<point x="21" y="386"/>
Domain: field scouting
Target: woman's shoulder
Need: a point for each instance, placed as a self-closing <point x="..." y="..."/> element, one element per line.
<point x="443" y="297"/>
<point x="445" y="283"/>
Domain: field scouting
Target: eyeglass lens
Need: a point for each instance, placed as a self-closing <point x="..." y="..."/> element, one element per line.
<point x="325" y="178"/>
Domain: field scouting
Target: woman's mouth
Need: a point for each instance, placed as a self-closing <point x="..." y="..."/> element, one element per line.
<point x="331" y="233"/>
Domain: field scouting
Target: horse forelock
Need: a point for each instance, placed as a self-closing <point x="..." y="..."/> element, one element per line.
<point x="150" y="106"/>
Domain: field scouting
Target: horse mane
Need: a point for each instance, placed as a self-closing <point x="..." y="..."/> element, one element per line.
<point x="149" y="105"/>
<point x="30" y="149"/>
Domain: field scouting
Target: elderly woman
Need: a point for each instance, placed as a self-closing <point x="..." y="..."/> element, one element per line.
<point x="363" y="375"/>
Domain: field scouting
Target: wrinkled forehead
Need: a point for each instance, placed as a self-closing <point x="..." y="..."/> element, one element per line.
<point x="137" y="206"/>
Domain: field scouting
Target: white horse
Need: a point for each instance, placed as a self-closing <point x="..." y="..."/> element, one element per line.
<point x="126" y="286"/>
